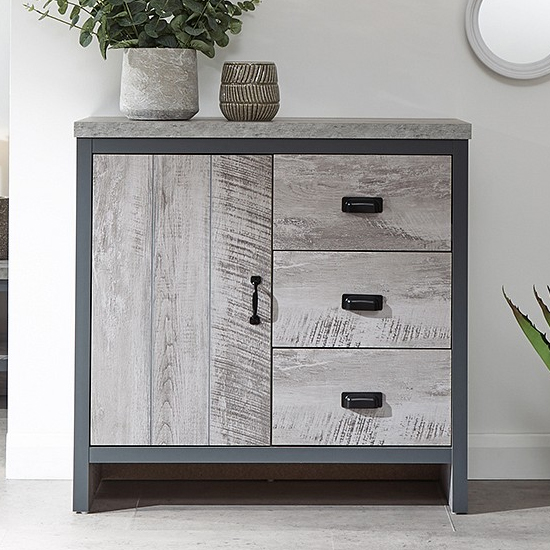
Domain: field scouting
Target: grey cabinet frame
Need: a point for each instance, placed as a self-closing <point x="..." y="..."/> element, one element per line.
<point x="453" y="458"/>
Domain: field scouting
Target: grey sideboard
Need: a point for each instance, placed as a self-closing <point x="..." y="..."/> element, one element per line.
<point x="272" y="293"/>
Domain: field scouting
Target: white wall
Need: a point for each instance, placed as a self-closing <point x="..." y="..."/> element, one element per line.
<point x="395" y="58"/>
<point x="4" y="93"/>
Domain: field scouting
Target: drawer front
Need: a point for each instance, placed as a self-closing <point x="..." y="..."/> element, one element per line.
<point x="308" y="192"/>
<point x="308" y="289"/>
<point x="307" y="404"/>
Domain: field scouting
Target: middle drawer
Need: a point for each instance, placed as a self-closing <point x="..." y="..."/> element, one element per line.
<point x="415" y="289"/>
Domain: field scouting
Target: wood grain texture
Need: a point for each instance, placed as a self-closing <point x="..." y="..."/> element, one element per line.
<point x="308" y="288"/>
<point x="240" y="403"/>
<point x="181" y="252"/>
<point x="121" y="307"/>
<point x="307" y="388"/>
<point x="308" y="191"/>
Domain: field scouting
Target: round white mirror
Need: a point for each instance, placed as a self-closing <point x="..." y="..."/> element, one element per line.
<point x="511" y="37"/>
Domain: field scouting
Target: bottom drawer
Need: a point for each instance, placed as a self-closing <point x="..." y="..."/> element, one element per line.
<point x="307" y="397"/>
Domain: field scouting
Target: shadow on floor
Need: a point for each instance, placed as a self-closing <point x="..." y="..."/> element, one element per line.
<point x="501" y="496"/>
<point x="118" y="495"/>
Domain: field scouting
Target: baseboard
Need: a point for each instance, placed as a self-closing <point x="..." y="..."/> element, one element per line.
<point x="39" y="456"/>
<point x="509" y="456"/>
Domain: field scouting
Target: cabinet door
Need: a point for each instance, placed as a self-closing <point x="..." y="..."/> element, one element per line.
<point x="150" y="323"/>
<point x="240" y="369"/>
<point x="175" y="359"/>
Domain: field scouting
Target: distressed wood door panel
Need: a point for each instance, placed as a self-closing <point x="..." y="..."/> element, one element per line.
<point x="121" y="307"/>
<point x="308" y="191"/>
<point x="180" y="294"/>
<point x="308" y="288"/>
<point x="240" y="379"/>
<point x="307" y="388"/>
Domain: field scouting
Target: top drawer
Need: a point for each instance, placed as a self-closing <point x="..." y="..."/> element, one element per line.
<point x="308" y="192"/>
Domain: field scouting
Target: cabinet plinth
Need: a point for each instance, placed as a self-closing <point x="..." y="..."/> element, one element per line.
<point x="211" y="324"/>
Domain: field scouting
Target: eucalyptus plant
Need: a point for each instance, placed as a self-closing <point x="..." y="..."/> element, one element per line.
<point x="193" y="24"/>
<point x="538" y="339"/>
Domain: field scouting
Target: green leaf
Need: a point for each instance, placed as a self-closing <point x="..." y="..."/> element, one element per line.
<point x="125" y="22"/>
<point x="536" y="338"/>
<point x="178" y="23"/>
<point x="137" y="6"/>
<point x="235" y="26"/>
<point x="168" y="41"/>
<point x="132" y="43"/>
<point x="193" y="5"/>
<point x="183" y="39"/>
<point x="145" y="41"/>
<point x="204" y="47"/>
<point x="89" y="25"/>
<point x="140" y="18"/>
<point x="116" y="2"/>
<point x="249" y="6"/>
<point x="75" y="13"/>
<point x="193" y="32"/>
<point x="62" y="6"/>
<point x="85" y="38"/>
<point x="102" y="39"/>
<point x="44" y="15"/>
<point x="543" y="306"/>
<point x="222" y="41"/>
<point x="151" y="30"/>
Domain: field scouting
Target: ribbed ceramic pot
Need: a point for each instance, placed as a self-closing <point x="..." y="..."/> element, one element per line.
<point x="159" y="84"/>
<point x="249" y="91"/>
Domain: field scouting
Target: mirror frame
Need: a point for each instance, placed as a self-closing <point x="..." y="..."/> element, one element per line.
<point x="523" y="71"/>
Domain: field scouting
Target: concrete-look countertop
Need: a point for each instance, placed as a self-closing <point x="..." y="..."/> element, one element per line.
<point x="279" y="128"/>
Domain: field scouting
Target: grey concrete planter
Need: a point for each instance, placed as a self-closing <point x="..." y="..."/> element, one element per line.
<point x="159" y="84"/>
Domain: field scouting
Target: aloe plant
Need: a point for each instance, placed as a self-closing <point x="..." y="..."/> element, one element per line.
<point x="537" y="338"/>
<point x="193" y="24"/>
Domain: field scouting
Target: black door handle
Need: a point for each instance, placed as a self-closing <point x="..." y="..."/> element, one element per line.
<point x="362" y="400"/>
<point x="363" y="205"/>
<point x="255" y="319"/>
<point x="362" y="302"/>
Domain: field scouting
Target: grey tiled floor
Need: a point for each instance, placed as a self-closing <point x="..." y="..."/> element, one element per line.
<point x="503" y="515"/>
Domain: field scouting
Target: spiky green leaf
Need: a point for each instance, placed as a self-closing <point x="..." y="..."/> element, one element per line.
<point x="543" y="306"/>
<point x="536" y="338"/>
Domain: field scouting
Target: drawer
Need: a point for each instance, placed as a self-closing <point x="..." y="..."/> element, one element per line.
<point x="308" y="192"/>
<point x="308" y="289"/>
<point x="308" y="385"/>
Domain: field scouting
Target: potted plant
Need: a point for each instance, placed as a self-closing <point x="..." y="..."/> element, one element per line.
<point x="537" y="338"/>
<point x="160" y="38"/>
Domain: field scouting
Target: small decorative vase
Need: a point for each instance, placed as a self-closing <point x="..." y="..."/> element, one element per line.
<point x="159" y="84"/>
<point x="249" y="91"/>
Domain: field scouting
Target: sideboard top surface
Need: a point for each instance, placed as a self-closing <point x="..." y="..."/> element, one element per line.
<point x="280" y="128"/>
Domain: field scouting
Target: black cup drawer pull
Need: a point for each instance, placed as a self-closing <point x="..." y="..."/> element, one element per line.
<point x="362" y="302"/>
<point x="362" y="205"/>
<point x="362" y="400"/>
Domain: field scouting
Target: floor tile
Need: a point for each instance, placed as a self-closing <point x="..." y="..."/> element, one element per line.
<point x="293" y="518"/>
